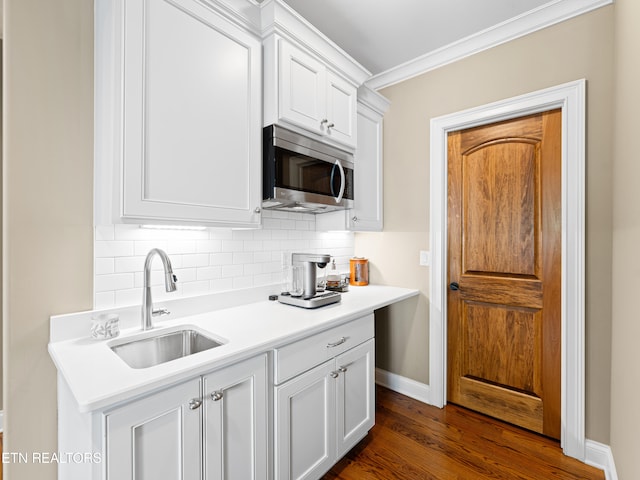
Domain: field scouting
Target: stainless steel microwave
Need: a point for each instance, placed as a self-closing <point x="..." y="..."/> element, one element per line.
<point x="301" y="174"/>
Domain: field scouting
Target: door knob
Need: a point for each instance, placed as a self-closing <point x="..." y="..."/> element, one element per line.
<point x="454" y="286"/>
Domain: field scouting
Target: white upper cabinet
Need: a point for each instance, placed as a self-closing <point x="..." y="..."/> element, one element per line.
<point x="368" y="171"/>
<point x="313" y="97"/>
<point x="342" y="98"/>
<point x="301" y="87"/>
<point x="309" y="83"/>
<point x="178" y="102"/>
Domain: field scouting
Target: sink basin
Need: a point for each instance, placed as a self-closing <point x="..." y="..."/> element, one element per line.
<point x="163" y="347"/>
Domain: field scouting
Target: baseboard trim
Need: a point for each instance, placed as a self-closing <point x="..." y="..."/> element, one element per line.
<point x="597" y="454"/>
<point x="405" y="386"/>
<point x="600" y="456"/>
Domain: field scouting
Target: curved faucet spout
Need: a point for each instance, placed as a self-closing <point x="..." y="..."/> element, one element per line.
<point x="169" y="284"/>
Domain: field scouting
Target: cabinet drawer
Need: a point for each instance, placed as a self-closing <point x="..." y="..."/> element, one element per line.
<point x="305" y="354"/>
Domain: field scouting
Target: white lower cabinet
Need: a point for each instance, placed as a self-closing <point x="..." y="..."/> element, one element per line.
<point x="212" y="427"/>
<point x="156" y="437"/>
<point x="235" y="419"/>
<point x="305" y="424"/>
<point x="322" y="413"/>
<point x="355" y="395"/>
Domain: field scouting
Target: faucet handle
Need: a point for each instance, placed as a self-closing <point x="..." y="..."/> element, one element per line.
<point x="160" y="311"/>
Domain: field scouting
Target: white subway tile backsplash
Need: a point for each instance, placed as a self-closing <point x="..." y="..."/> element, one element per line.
<point x="104" y="266"/>
<point x="261" y="257"/>
<point x="142" y="247"/>
<point x="242" y="234"/>
<point x="208" y="246"/>
<point x="104" y="233"/>
<point x="221" y="258"/>
<point x="132" y="264"/>
<point x="242" y="282"/>
<point x="185" y="274"/>
<point x="196" y="288"/>
<point x="232" y="246"/>
<point x="207" y="261"/>
<point x="195" y="260"/>
<point x="105" y="300"/>
<point x="181" y="246"/>
<point x="253" y="269"/>
<point x="242" y="258"/>
<point x="232" y="270"/>
<point x="221" y="234"/>
<point x="271" y="223"/>
<point x="129" y="296"/>
<point x="113" y="281"/>
<point x="209" y="273"/>
<point x="113" y="248"/>
<point x="221" y="284"/>
<point x="253" y="245"/>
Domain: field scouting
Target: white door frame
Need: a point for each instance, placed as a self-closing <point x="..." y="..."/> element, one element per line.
<point x="570" y="97"/>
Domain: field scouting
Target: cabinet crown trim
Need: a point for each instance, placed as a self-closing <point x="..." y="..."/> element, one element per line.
<point x="278" y="17"/>
<point x="373" y="99"/>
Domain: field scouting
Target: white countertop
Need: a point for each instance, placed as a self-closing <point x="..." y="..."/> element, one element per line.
<point x="98" y="378"/>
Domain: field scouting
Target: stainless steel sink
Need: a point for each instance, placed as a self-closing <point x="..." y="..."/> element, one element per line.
<point x="163" y="347"/>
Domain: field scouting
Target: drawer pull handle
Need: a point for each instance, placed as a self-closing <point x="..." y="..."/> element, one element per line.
<point x="215" y="396"/>
<point x="335" y="344"/>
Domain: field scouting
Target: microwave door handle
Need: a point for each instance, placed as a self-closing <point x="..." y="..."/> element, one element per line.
<point x="342" y="182"/>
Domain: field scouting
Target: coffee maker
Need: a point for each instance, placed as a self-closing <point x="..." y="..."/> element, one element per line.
<point x="309" y="297"/>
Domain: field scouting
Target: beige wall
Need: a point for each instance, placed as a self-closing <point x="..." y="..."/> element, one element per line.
<point x="625" y="379"/>
<point x="579" y="48"/>
<point x="47" y="205"/>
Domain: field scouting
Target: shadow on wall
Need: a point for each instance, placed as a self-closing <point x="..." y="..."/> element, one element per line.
<point x="402" y="321"/>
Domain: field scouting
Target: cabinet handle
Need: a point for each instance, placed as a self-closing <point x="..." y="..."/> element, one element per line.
<point x="334" y="374"/>
<point x="324" y="120"/>
<point x="330" y="126"/>
<point x="194" y="404"/>
<point x="339" y="342"/>
<point x="215" y="396"/>
<point x="354" y="219"/>
<point x="342" y="369"/>
<point x="257" y="210"/>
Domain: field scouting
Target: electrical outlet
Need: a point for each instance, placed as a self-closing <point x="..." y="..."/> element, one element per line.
<point x="425" y="258"/>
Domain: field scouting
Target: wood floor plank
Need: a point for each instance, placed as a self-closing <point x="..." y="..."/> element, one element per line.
<point x="414" y="441"/>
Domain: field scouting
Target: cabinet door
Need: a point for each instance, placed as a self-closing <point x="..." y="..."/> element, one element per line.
<point x="158" y="436"/>
<point x="341" y="110"/>
<point x="355" y="409"/>
<point x="302" y="92"/>
<point x="305" y="424"/>
<point x="192" y="116"/>
<point x="367" y="212"/>
<point x="236" y="418"/>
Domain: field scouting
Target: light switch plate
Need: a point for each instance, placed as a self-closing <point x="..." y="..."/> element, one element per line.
<point x="425" y="258"/>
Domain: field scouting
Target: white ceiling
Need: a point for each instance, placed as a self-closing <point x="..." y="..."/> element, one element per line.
<point x="382" y="34"/>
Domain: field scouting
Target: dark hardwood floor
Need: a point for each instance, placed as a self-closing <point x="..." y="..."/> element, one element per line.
<point x="412" y="440"/>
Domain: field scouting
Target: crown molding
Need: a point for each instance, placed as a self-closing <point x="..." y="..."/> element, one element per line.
<point x="279" y="18"/>
<point x="544" y="16"/>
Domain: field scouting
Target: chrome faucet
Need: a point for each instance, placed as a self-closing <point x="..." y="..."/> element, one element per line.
<point x="169" y="284"/>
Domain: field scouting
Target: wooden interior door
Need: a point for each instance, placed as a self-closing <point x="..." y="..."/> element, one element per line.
<point x="504" y="270"/>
